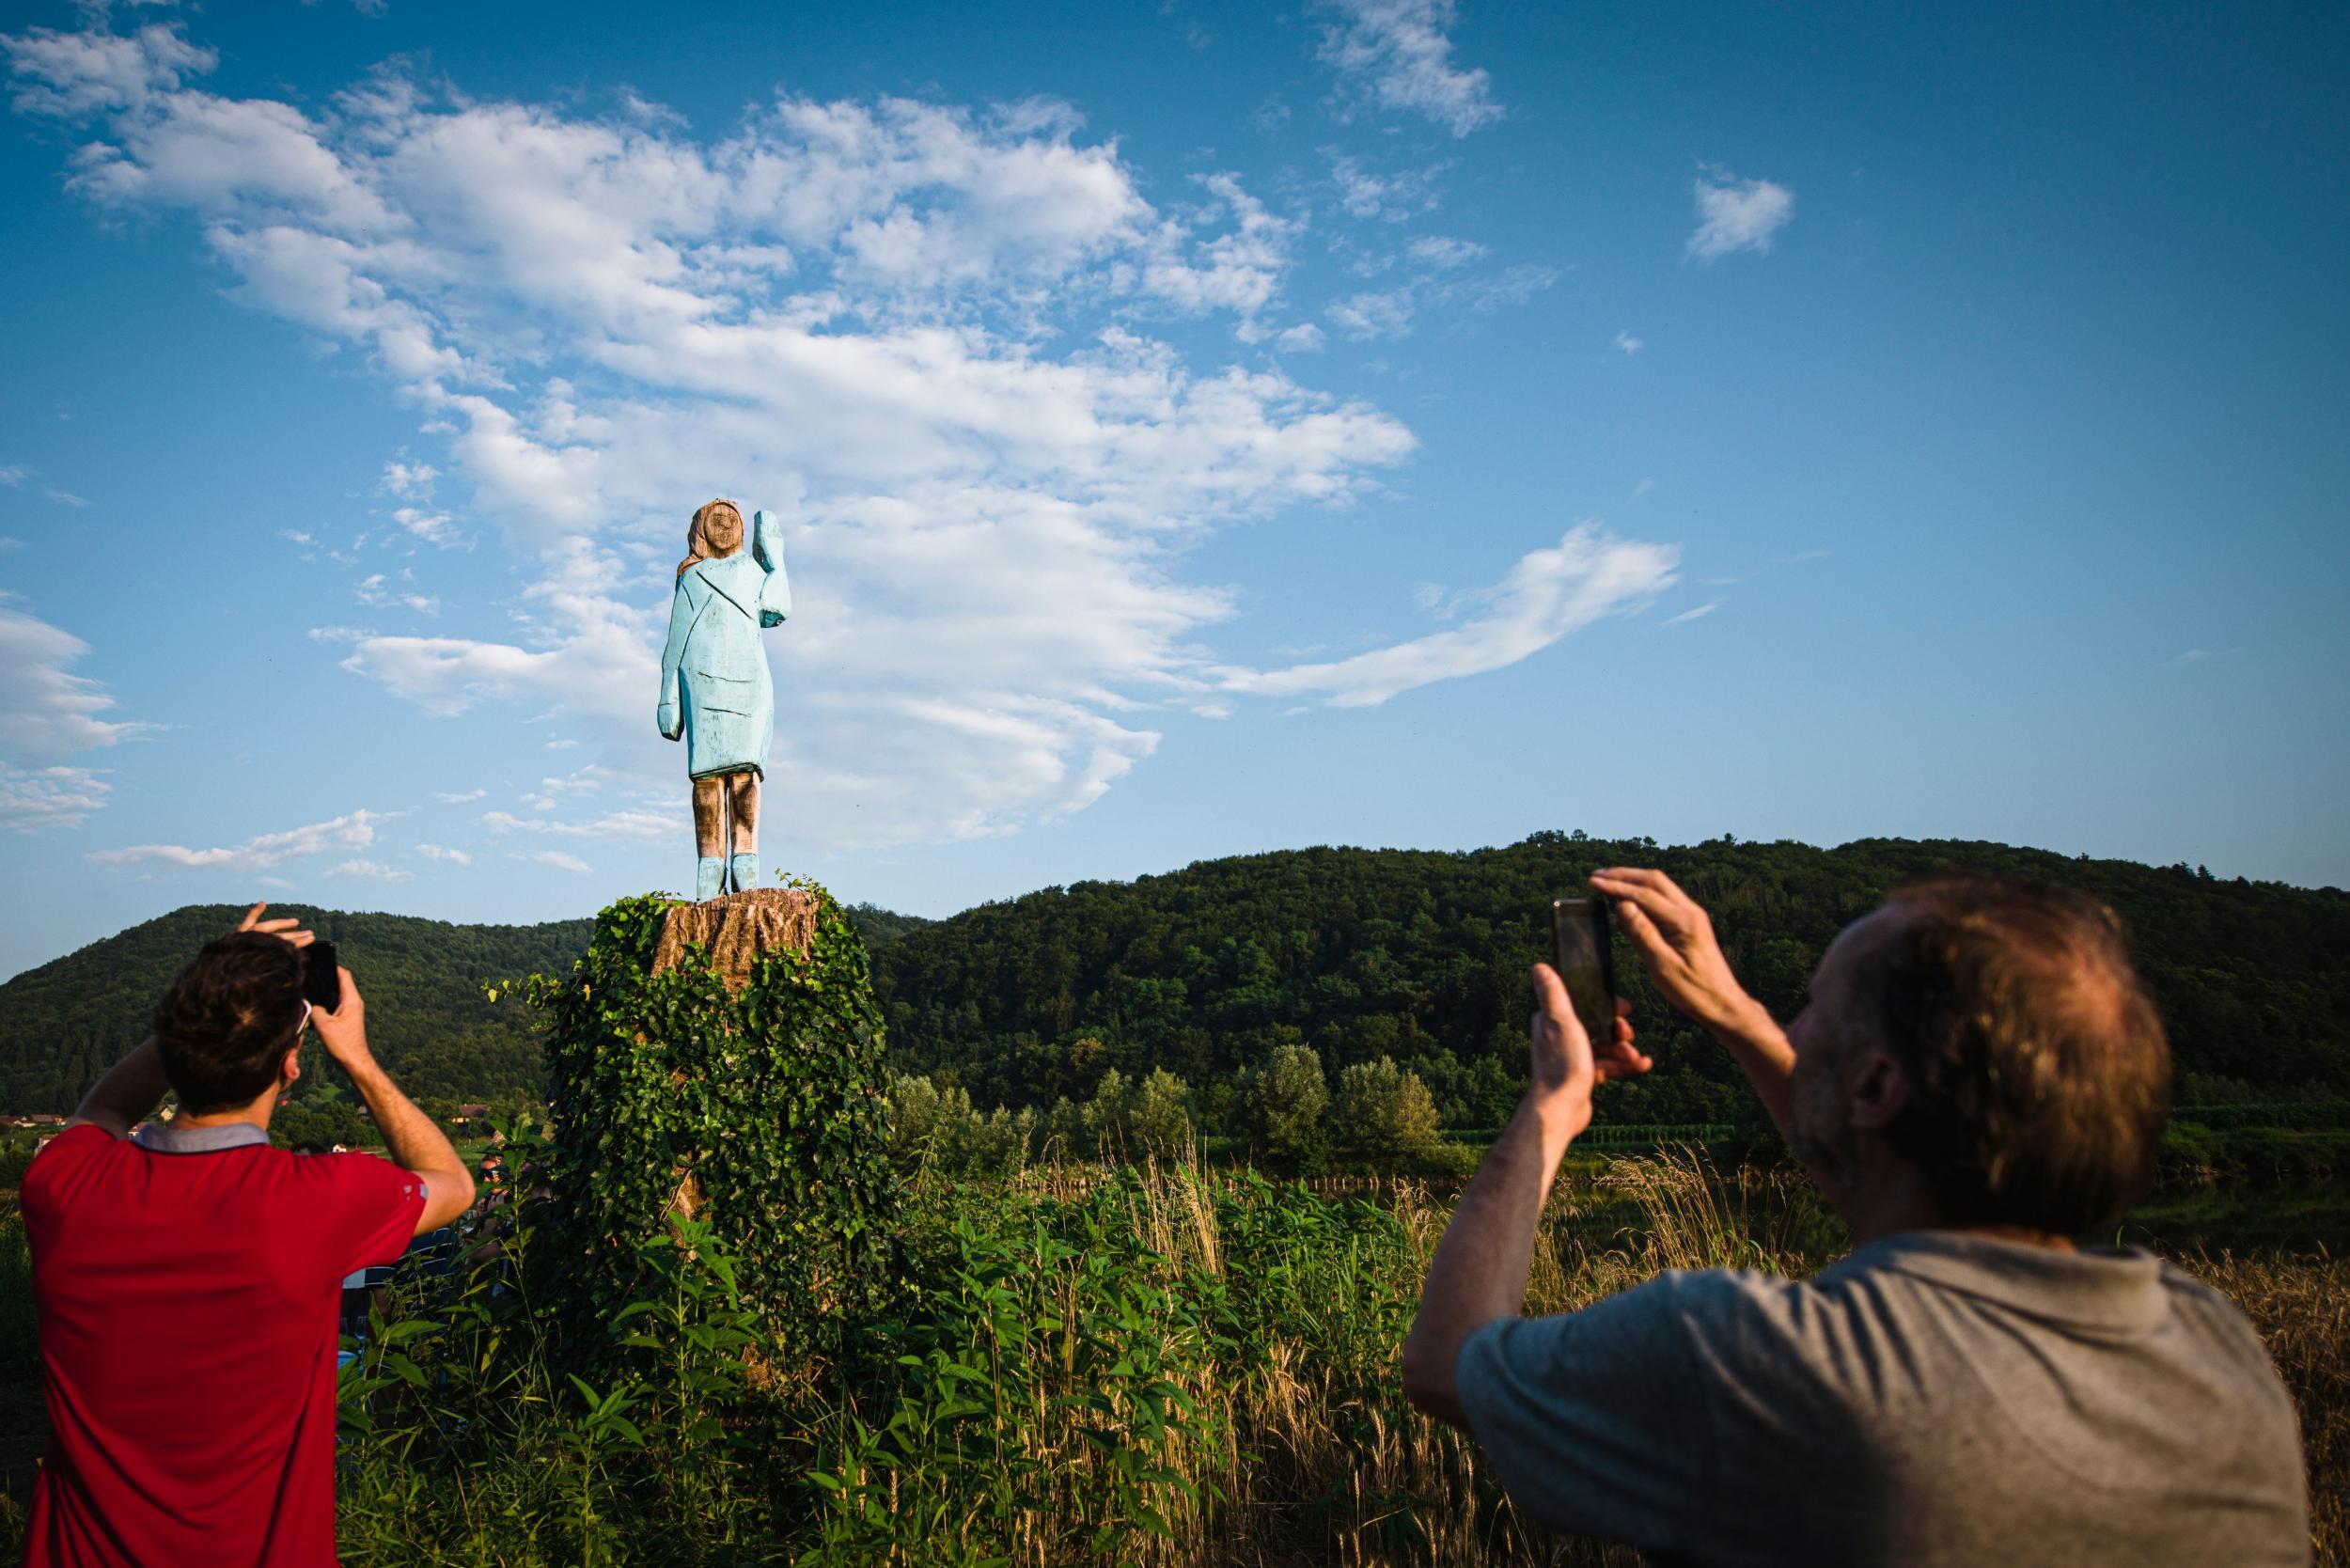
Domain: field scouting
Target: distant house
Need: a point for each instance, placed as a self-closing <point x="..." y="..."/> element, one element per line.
<point x="470" y="1113"/>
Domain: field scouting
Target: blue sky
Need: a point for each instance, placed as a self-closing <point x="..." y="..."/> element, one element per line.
<point x="1197" y="429"/>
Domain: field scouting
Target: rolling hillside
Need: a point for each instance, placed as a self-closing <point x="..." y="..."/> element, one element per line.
<point x="1360" y="953"/>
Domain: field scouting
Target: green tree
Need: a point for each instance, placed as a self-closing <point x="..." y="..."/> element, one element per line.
<point x="1282" y="1105"/>
<point x="1382" y="1112"/>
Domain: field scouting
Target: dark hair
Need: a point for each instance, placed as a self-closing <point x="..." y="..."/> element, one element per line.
<point x="2038" y="1074"/>
<point x="225" y="1027"/>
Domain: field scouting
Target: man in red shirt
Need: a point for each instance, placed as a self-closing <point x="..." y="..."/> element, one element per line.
<point x="188" y="1279"/>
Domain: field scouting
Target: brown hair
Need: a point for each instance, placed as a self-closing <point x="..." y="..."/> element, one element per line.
<point x="2038" y="1074"/>
<point x="697" y="547"/>
<point x="225" y="1027"/>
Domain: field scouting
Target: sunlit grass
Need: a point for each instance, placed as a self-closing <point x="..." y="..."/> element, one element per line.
<point x="1155" y="1365"/>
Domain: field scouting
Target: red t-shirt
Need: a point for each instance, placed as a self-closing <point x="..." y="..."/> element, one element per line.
<point x="188" y="1304"/>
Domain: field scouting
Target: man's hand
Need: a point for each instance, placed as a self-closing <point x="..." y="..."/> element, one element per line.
<point x="668" y="721"/>
<point x="284" y="925"/>
<point x="1676" y="939"/>
<point x="344" y="1031"/>
<point x="1565" y="1066"/>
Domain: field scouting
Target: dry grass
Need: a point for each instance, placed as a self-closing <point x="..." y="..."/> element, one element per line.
<point x="2302" y="1308"/>
<point x="1317" y="1466"/>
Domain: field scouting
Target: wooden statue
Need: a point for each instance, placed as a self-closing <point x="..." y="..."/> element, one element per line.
<point x="716" y="690"/>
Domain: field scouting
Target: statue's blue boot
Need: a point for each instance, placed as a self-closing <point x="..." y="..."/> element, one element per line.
<point x="746" y="869"/>
<point x="709" y="877"/>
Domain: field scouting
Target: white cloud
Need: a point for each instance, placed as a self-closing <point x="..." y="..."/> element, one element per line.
<point x="1548" y="594"/>
<point x="10" y="541"/>
<point x="1684" y="616"/>
<point x="353" y="830"/>
<point x="561" y="861"/>
<point x="1735" y="215"/>
<point x="66" y="497"/>
<point x="1441" y="252"/>
<point x="1642" y="488"/>
<point x="1387" y="314"/>
<point x="919" y="333"/>
<point x="1394" y="196"/>
<point x="32" y="799"/>
<point x="374" y="870"/>
<point x="80" y="74"/>
<point x="45" y="713"/>
<point x="630" y="822"/>
<point x="1305" y="337"/>
<point x="377" y="592"/>
<point x="1395" y="54"/>
<point x="14" y="474"/>
<point x="1628" y="343"/>
<point x="409" y="479"/>
<point x="459" y="797"/>
<point x="443" y="852"/>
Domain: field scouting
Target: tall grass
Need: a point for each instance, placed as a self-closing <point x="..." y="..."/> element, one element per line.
<point x="1156" y="1365"/>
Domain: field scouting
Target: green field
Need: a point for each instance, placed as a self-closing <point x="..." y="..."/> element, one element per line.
<point x="1153" y="1365"/>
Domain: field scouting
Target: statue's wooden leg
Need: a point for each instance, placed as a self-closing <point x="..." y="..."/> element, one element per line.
<point x="710" y="817"/>
<point x="745" y="812"/>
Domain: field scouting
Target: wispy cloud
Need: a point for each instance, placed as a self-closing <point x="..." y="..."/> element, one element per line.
<point x="35" y="799"/>
<point x="47" y="712"/>
<point x="1395" y="54"/>
<point x="560" y="860"/>
<point x="444" y="853"/>
<point x="628" y="823"/>
<point x="459" y="797"/>
<point x="1548" y="594"/>
<point x="373" y="871"/>
<point x="1628" y="343"/>
<point x="1735" y="215"/>
<point x="1704" y="609"/>
<point x="353" y="830"/>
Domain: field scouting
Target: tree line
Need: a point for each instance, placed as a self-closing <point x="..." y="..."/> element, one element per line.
<point x="1219" y="975"/>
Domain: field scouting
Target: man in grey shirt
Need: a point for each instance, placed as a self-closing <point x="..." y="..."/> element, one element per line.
<point x="1979" y="1078"/>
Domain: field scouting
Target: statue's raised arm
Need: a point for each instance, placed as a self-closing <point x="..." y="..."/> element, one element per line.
<point x="715" y="689"/>
<point x="775" y="595"/>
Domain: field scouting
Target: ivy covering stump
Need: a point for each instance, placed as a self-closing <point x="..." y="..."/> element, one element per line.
<point x="724" y="1059"/>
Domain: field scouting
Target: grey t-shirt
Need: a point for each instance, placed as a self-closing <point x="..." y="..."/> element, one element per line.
<point x="1934" y="1399"/>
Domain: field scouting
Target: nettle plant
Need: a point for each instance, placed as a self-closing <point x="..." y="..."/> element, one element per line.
<point x="762" y="1113"/>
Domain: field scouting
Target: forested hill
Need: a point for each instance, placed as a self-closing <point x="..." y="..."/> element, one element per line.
<point x="65" y="1023"/>
<point x="1359" y="953"/>
<point x="1422" y="956"/>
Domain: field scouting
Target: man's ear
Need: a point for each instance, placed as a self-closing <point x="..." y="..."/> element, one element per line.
<point x="290" y="1070"/>
<point x="1875" y="1089"/>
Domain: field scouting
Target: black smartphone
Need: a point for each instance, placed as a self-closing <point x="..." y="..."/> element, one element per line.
<point x="321" y="977"/>
<point x="1578" y="932"/>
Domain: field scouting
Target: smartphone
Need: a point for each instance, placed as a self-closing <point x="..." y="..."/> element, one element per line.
<point x="1578" y="931"/>
<point x="321" y="977"/>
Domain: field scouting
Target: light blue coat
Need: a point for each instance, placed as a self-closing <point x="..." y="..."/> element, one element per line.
<point x="715" y="685"/>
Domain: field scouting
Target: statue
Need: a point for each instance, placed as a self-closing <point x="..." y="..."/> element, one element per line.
<point x="716" y="690"/>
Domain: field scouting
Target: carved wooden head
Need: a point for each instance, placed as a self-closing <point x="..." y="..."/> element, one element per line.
<point x="715" y="533"/>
